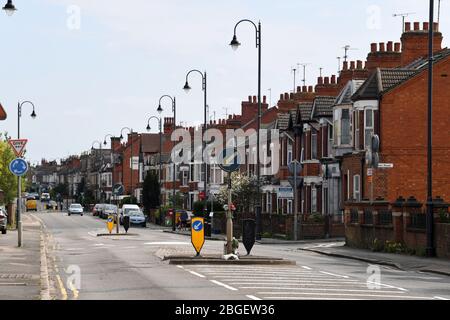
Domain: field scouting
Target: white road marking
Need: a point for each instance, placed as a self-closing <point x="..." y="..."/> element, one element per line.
<point x="324" y="289"/>
<point x="197" y="274"/>
<point x="386" y="285"/>
<point x="181" y="267"/>
<point x="439" y="298"/>
<point x="341" y="294"/>
<point x="334" y="275"/>
<point x="167" y="243"/>
<point x="223" y="285"/>
<point x="307" y="268"/>
<point x="253" y="297"/>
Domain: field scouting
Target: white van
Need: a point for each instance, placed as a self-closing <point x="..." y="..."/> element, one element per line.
<point x="126" y="208"/>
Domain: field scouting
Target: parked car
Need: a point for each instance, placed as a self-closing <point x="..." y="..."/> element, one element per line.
<point x="96" y="211"/>
<point x="137" y="218"/>
<point x="52" y="205"/>
<point x="3" y="220"/>
<point x="31" y="204"/>
<point x="76" y="208"/>
<point x="126" y="208"/>
<point x="45" y="197"/>
<point x="109" y="210"/>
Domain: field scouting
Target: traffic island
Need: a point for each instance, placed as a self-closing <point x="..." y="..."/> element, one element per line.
<point x="116" y="234"/>
<point x="219" y="260"/>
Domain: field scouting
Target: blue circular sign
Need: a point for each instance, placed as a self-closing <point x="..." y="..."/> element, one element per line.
<point x="229" y="160"/>
<point x="197" y="225"/>
<point x="18" y="167"/>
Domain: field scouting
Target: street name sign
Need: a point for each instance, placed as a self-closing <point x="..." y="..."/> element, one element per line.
<point x="18" y="167"/>
<point x="18" y="146"/>
<point x="198" y="233"/>
<point x="385" y="166"/>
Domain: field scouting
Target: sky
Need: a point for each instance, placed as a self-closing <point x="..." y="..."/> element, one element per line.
<point x="92" y="67"/>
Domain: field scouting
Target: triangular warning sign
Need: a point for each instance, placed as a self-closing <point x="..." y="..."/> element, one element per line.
<point x="18" y="146"/>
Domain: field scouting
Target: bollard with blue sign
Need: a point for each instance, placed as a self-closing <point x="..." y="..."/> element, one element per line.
<point x="198" y="233"/>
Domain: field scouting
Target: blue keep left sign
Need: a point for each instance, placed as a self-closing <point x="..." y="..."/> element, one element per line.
<point x="18" y="167"/>
<point x="197" y="226"/>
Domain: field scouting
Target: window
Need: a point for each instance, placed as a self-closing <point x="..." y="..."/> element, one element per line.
<point x="356" y="124"/>
<point x="345" y="124"/>
<point x="357" y="187"/>
<point x="369" y="127"/>
<point x="269" y="202"/>
<point x="313" y="145"/>
<point x="289" y="152"/>
<point x="313" y="200"/>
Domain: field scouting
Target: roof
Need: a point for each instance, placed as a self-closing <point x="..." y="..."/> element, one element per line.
<point x="304" y="109"/>
<point x="323" y="106"/>
<point x="284" y="119"/>
<point x="383" y="80"/>
<point x="345" y="96"/>
<point x="2" y="113"/>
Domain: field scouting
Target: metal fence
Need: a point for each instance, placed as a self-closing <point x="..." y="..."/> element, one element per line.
<point x="368" y="216"/>
<point x="385" y="217"/>
<point x="354" y="216"/>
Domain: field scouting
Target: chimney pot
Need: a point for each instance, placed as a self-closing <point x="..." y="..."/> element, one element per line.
<point x="359" y="65"/>
<point x="397" y="46"/>
<point x="320" y="80"/>
<point x="333" y="79"/>
<point x="435" y="26"/>
<point x="264" y="99"/>
<point x="249" y="98"/>
<point x="299" y="89"/>
<point x="416" y="26"/>
<point x="382" y="47"/>
<point x="286" y="96"/>
<point x="254" y="99"/>
<point x="407" y="26"/>
<point x="352" y="65"/>
<point x="304" y="89"/>
<point x="310" y="89"/>
<point x="390" y="45"/>
<point x="291" y="96"/>
<point x="426" y="26"/>
<point x="281" y="97"/>
<point x="373" y="47"/>
<point x="327" y="80"/>
<point x="345" y="66"/>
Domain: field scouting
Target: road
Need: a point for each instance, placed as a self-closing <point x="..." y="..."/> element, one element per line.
<point x="131" y="268"/>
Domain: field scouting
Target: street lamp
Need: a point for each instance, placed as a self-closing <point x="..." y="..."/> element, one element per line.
<point x="19" y="179"/>
<point x="174" y="110"/>
<point x="112" y="165"/>
<point x="9" y="8"/>
<point x="235" y="45"/>
<point x="131" y="158"/>
<point x="187" y="88"/>
<point x="95" y="159"/>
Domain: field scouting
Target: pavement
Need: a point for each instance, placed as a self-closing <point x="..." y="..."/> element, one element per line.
<point x="20" y="268"/>
<point x="399" y="261"/>
<point x="66" y="260"/>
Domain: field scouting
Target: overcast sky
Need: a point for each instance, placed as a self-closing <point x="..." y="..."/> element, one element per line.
<point x="93" y="78"/>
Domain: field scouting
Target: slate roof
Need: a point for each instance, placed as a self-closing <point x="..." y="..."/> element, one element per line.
<point x="284" y="119"/>
<point x="304" y="109"/>
<point x="323" y="107"/>
<point x="345" y="96"/>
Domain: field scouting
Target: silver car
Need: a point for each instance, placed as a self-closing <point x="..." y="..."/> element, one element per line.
<point x="137" y="217"/>
<point x="75" y="208"/>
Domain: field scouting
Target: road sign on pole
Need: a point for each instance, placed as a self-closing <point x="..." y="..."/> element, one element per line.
<point x="295" y="168"/>
<point x="18" y="167"/>
<point x="18" y="146"/>
<point x="229" y="160"/>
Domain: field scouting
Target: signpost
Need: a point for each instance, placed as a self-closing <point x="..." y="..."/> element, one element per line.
<point x="18" y="146"/>
<point x="118" y="190"/>
<point x="198" y="233"/>
<point x="19" y="167"/>
<point x="229" y="162"/>
<point x="295" y="168"/>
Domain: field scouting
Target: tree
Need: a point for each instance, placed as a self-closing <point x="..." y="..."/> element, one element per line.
<point x="8" y="182"/>
<point x="243" y="192"/>
<point x="151" y="192"/>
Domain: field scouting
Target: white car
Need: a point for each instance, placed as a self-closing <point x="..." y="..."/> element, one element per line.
<point x="76" y="208"/>
<point x="126" y="209"/>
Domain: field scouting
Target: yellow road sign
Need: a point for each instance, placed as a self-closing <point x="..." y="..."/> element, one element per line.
<point x="198" y="233"/>
<point x="110" y="223"/>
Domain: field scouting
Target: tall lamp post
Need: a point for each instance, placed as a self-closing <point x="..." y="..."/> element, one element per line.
<point x="9" y="8"/>
<point x="174" y="110"/>
<point x="430" y="249"/>
<point x="160" y="150"/>
<point x="131" y="157"/>
<point x="235" y="45"/>
<point x="187" y="88"/>
<point x="19" y="179"/>
<point x="112" y="166"/>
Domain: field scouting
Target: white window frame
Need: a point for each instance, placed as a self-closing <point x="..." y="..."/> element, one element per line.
<point x="313" y="199"/>
<point x="357" y="187"/>
<point x="370" y="127"/>
<point x="314" y="137"/>
<point x="357" y="128"/>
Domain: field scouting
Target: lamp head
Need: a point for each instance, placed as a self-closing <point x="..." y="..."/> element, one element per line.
<point x="235" y="43"/>
<point x="148" y="128"/>
<point x="104" y="142"/>
<point x="9" y="8"/>
<point x="121" y="137"/>
<point x="33" y="115"/>
<point x="186" y="87"/>
<point x="160" y="110"/>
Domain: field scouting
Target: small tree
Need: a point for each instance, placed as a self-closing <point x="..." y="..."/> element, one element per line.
<point x="151" y="192"/>
<point x="243" y="192"/>
<point x="8" y="182"/>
